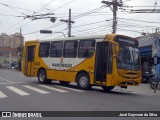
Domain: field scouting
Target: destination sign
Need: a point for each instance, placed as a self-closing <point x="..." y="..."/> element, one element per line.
<point x="127" y="41"/>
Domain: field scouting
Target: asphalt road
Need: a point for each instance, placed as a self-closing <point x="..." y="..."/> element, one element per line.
<point x="20" y="93"/>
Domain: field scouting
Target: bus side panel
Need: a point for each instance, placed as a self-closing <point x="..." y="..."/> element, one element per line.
<point x="87" y="65"/>
<point x="109" y="80"/>
<point x="69" y="76"/>
<point x="115" y="77"/>
<point x="38" y="62"/>
<point x="52" y="74"/>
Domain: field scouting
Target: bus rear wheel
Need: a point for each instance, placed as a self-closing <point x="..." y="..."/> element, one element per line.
<point x="42" y="77"/>
<point x="83" y="81"/>
<point x="107" y="88"/>
<point x="64" y="82"/>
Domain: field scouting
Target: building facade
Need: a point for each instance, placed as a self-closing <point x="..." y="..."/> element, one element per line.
<point x="12" y="41"/>
<point x="8" y="47"/>
<point x="16" y="40"/>
<point x="146" y="48"/>
<point x="4" y="41"/>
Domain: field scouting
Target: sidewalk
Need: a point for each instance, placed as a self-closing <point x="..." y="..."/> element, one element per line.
<point x="141" y="89"/>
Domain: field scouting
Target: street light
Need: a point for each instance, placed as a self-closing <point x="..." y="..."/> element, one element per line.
<point x="50" y="32"/>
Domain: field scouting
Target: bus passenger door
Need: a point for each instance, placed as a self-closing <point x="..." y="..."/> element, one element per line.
<point x="103" y="62"/>
<point x="30" y="52"/>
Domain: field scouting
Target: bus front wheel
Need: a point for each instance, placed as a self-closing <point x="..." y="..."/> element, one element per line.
<point x="42" y="77"/>
<point x="107" y="88"/>
<point x="83" y="81"/>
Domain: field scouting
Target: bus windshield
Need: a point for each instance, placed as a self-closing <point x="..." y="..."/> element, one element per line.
<point x="128" y="57"/>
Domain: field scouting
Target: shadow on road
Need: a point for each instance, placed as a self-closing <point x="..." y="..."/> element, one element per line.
<point x="94" y="88"/>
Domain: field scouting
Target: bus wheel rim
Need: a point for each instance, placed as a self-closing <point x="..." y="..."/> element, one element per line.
<point x="83" y="81"/>
<point x="42" y="77"/>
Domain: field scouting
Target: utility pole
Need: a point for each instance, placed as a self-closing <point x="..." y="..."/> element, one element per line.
<point x="20" y="50"/>
<point x="156" y="79"/>
<point x="114" y="7"/>
<point x="21" y="37"/>
<point x="69" y="22"/>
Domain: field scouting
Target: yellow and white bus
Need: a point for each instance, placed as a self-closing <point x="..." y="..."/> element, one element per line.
<point x="106" y="60"/>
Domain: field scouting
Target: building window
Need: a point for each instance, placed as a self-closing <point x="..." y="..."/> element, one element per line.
<point x="44" y="49"/>
<point x="70" y="49"/>
<point x="56" y="49"/>
<point x="86" y="48"/>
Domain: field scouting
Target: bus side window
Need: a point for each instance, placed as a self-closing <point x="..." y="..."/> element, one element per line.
<point x="86" y="48"/>
<point x="70" y="49"/>
<point x="56" y="49"/>
<point x="44" y="49"/>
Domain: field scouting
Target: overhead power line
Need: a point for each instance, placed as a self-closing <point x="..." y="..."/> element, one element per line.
<point x="17" y="8"/>
<point x="29" y="16"/>
<point x="45" y="6"/>
<point x="53" y="26"/>
<point x="34" y="18"/>
<point x="76" y="17"/>
<point x="14" y="25"/>
<point x="63" y="5"/>
<point x="89" y="12"/>
<point x="10" y="15"/>
<point x="146" y="11"/>
<point x="20" y="26"/>
<point x="135" y="25"/>
<point x="129" y="30"/>
<point x="89" y="24"/>
<point x="138" y="20"/>
<point x="154" y="10"/>
<point x="143" y="6"/>
<point x="12" y="8"/>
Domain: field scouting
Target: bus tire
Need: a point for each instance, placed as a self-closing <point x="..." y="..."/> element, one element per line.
<point x="107" y="88"/>
<point x="42" y="77"/>
<point x="83" y="81"/>
<point x="64" y="82"/>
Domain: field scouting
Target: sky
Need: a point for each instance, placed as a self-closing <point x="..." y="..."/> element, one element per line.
<point x="13" y="16"/>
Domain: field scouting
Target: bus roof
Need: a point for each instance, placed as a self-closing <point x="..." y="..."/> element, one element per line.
<point x="75" y="38"/>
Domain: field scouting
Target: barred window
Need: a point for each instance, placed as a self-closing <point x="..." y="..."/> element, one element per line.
<point x="44" y="49"/>
<point x="56" y="49"/>
<point x="70" y="49"/>
<point x="86" y="48"/>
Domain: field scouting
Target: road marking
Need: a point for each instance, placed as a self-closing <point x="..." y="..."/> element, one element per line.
<point x="15" y="83"/>
<point x="6" y="80"/>
<point x="73" y="89"/>
<point x="2" y="95"/>
<point x="51" y="88"/>
<point x="36" y="89"/>
<point x="18" y="91"/>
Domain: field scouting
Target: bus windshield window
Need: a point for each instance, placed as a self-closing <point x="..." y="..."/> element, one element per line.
<point x="128" y="57"/>
<point x="124" y="58"/>
<point x="136" y="59"/>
